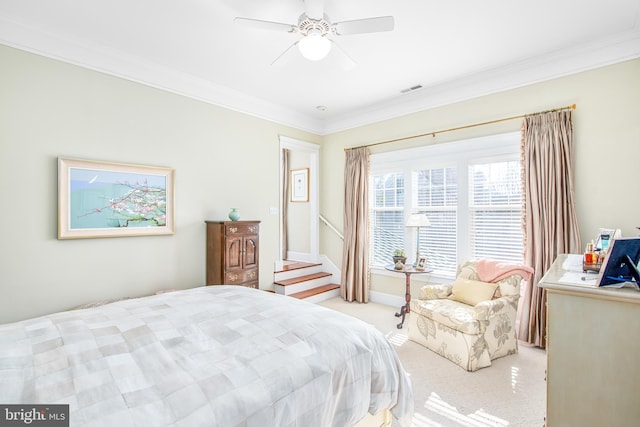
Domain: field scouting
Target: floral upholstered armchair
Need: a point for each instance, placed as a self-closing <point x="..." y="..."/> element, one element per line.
<point x="470" y="321"/>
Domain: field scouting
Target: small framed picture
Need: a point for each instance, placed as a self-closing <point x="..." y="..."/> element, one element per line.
<point x="421" y="264"/>
<point x="300" y="185"/>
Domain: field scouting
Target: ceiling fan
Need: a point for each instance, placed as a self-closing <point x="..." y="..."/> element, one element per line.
<point x="316" y="27"/>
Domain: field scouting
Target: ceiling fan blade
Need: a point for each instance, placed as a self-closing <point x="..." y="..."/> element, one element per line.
<point x="314" y="9"/>
<point x="257" y="24"/>
<point x="285" y="56"/>
<point x="346" y="62"/>
<point x="366" y="25"/>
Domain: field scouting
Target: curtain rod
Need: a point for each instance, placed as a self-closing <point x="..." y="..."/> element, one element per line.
<point x="572" y="107"/>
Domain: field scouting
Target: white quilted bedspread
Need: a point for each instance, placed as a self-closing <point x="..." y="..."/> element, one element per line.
<point x="208" y="356"/>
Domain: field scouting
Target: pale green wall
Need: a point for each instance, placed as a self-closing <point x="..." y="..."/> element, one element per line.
<point x="49" y="109"/>
<point x="607" y="147"/>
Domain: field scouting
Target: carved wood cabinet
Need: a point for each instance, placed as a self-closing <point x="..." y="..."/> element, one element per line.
<point x="232" y="253"/>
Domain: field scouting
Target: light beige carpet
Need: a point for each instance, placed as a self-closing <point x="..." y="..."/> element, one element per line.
<point x="510" y="392"/>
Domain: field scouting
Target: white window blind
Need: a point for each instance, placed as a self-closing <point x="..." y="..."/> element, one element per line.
<point x="436" y="196"/>
<point x="496" y="211"/>
<point x="387" y="216"/>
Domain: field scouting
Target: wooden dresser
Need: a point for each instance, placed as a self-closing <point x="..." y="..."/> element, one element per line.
<point x="232" y="253"/>
<point x="593" y="374"/>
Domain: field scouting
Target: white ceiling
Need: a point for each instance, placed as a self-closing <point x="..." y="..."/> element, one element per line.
<point x="454" y="49"/>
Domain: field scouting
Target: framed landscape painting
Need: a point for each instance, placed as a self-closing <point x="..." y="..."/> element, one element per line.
<point x="100" y="199"/>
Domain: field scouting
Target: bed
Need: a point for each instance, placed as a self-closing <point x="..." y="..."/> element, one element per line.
<point x="207" y="356"/>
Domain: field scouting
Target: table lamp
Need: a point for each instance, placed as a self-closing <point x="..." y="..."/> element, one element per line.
<point x="418" y="220"/>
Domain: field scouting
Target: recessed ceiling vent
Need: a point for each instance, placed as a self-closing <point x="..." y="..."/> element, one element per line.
<point x="411" y="89"/>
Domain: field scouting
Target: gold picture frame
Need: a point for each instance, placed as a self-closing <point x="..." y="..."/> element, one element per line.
<point x="102" y="199"/>
<point x="299" y="185"/>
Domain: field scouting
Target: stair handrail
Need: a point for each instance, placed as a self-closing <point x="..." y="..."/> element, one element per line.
<point x="328" y="224"/>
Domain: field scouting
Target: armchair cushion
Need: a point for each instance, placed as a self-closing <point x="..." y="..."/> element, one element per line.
<point x="456" y="315"/>
<point x="472" y="292"/>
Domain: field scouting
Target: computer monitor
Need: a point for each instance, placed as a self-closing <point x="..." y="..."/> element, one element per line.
<point x="621" y="262"/>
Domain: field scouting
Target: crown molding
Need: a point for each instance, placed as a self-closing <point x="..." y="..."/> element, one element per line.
<point x="115" y="63"/>
<point x="619" y="48"/>
<point x="622" y="47"/>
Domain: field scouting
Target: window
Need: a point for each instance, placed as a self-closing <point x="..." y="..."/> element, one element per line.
<point x="495" y="211"/>
<point x="387" y="216"/>
<point x="437" y="198"/>
<point x="470" y="191"/>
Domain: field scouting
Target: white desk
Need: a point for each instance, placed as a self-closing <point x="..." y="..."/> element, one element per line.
<point x="593" y="350"/>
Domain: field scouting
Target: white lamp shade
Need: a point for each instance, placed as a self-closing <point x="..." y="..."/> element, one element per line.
<point x="418" y="220"/>
<point x="314" y="46"/>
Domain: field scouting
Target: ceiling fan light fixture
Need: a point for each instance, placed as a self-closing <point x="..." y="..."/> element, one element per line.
<point x="314" y="46"/>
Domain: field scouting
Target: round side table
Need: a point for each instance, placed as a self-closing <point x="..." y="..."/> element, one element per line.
<point x="407" y="271"/>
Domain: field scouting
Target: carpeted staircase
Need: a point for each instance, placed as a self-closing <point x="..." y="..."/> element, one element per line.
<point x="306" y="281"/>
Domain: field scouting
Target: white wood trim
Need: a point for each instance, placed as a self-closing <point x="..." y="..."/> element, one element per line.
<point x="314" y="222"/>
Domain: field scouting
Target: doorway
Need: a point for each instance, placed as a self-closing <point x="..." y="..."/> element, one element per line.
<point x="299" y="228"/>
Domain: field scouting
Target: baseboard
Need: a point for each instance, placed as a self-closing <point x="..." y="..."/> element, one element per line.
<point x="386" y="299"/>
<point x="330" y="267"/>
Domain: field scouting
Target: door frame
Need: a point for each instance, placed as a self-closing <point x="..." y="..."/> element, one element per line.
<point x="313" y="150"/>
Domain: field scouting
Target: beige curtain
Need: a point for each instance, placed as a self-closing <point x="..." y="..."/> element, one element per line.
<point x="285" y="203"/>
<point x="355" y="253"/>
<point x="550" y="224"/>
